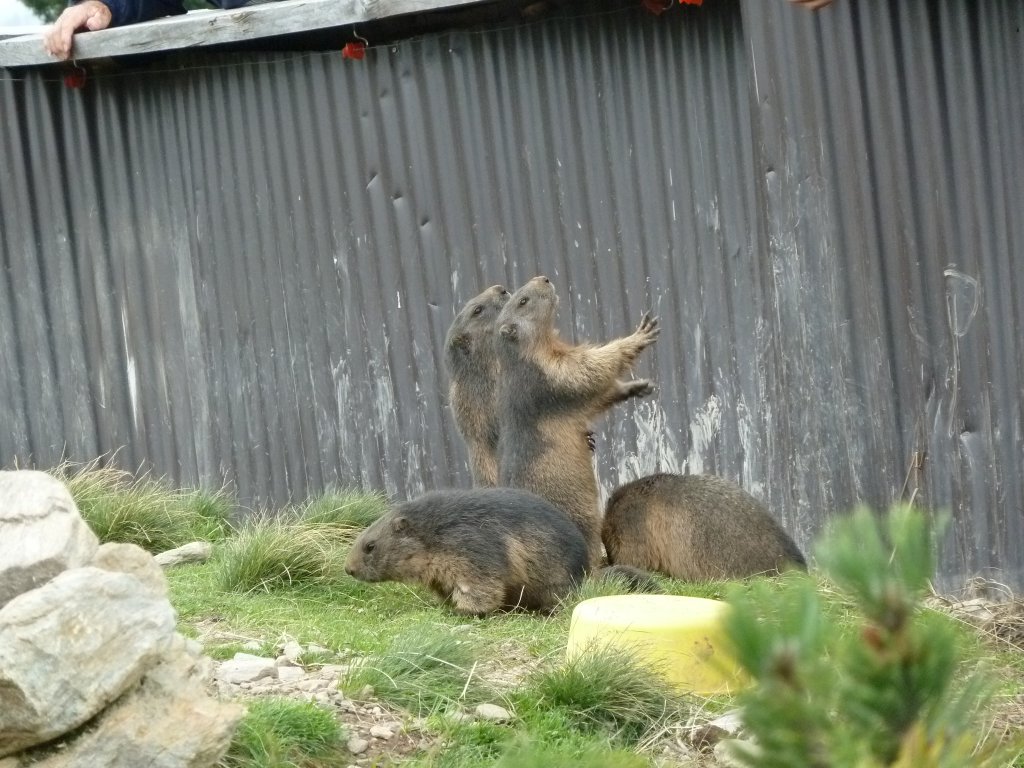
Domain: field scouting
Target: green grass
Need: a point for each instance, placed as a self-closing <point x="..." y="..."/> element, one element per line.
<point x="145" y="511"/>
<point x="346" y="512"/>
<point x="281" y="574"/>
<point x="605" y="691"/>
<point x="270" y="554"/>
<point x="424" y="670"/>
<point x="282" y="733"/>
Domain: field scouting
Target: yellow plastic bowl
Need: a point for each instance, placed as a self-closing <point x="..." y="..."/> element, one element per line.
<point x="682" y="637"/>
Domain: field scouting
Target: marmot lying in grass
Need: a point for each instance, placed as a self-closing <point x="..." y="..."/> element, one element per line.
<point x="482" y="550"/>
<point x="695" y="528"/>
<point x="548" y="393"/>
<point x="472" y="365"/>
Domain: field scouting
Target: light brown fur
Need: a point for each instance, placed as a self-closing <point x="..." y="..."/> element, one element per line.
<point x="695" y="528"/>
<point x="473" y="369"/>
<point x="549" y="392"/>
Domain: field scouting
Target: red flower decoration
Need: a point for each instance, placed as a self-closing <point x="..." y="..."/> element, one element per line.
<point x="355" y="51"/>
<point x="75" y="78"/>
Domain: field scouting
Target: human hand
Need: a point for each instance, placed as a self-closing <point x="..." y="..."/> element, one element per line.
<point x="89" y="14"/>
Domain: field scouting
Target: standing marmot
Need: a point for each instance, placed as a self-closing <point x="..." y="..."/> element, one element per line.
<point x="695" y="528"/>
<point x="472" y="364"/>
<point x="482" y="549"/>
<point x="548" y="393"/>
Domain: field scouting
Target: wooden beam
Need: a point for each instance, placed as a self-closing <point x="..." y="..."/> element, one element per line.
<point x="200" y="28"/>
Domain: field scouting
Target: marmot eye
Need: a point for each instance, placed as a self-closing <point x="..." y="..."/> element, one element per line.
<point x="368" y="546"/>
<point x="522" y="301"/>
<point x="478" y="309"/>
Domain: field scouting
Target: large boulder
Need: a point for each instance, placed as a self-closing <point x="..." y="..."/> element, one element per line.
<point x="133" y="560"/>
<point x="166" y="722"/>
<point x="41" y="532"/>
<point x="71" y="647"/>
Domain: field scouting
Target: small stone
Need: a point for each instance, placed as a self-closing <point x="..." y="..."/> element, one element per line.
<point x="252" y="645"/>
<point x="196" y="552"/>
<point x="292" y="650"/>
<point x="458" y="716"/>
<point x="322" y="698"/>
<point x="314" y="648"/>
<point x="725" y="752"/>
<point x="357" y="745"/>
<point x="244" y="668"/>
<point x="380" y="732"/>
<point x="334" y="671"/>
<point x="493" y="713"/>
<point x="366" y="692"/>
<point x="290" y="674"/>
<point x="306" y="685"/>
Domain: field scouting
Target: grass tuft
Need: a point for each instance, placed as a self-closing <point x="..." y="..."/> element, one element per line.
<point x="345" y="511"/>
<point x="283" y="732"/>
<point x="606" y="689"/>
<point x="534" y="755"/>
<point x="424" y="669"/>
<point x="269" y="554"/>
<point x="144" y="511"/>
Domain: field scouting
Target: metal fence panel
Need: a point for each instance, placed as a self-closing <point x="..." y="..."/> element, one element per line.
<point x="242" y="266"/>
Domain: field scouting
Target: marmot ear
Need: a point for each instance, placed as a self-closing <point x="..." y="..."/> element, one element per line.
<point x="400" y="524"/>
<point x="509" y="331"/>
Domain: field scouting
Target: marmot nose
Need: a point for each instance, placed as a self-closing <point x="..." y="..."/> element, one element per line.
<point x="542" y="279"/>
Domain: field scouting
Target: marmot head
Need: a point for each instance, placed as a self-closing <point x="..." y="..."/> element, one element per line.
<point x="529" y="314"/>
<point x="474" y="325"/>
<point x="385" y="551"/>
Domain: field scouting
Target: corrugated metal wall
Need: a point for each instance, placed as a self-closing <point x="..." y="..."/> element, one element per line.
<point x="243" y="266"/>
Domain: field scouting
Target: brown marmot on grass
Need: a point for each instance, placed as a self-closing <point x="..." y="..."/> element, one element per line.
<point x="482" y="549"/>
<point x="472" y="364"/>
<point x="548" y="393"/>
<point x="695" y="528"/>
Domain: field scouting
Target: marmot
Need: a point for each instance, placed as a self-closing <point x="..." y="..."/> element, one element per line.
<point x="548" y="393"/>
<point x="482" y="549"/>
<point x="472" y="364"/>
<point x="695" y="528"/>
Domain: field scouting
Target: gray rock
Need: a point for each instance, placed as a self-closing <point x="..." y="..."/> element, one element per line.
<point x="292" y="651"/>
<point x="380" y="732"/>
<point x="357" y="745"/>
<point x="245" y="668"/>
<point x="195" y="552"/>
<point x="726" y="749"/>
<point x="133" y="560"/>
<point x="290" y="674"/>
<point x="166" y="722"/>
<point x="41" y="532"/>
<point x="103" y="628"/>
<point x="492" y="712"/>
